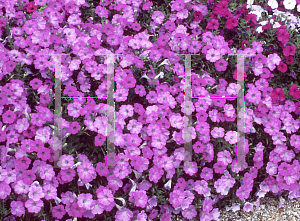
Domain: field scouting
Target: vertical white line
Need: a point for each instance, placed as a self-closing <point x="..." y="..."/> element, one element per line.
<point x="187" y="97"/>
<point x="57" y="143"/>
<point x="110" y="111"/>
<point x="240" y="109"/>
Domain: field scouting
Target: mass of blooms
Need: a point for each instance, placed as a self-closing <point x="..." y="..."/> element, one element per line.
<point x="78" y="77"/>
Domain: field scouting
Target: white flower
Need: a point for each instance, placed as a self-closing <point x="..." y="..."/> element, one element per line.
<point x="276" y="25"/>
<point x="289" y="4"/>
<point x="259" y="29"/>
<point x="298" y="8"/>
<point x="273" y="4"/>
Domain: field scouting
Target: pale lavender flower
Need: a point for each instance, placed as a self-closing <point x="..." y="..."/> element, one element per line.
<point x="36" y="193"/>
<point x="248" y="207"/>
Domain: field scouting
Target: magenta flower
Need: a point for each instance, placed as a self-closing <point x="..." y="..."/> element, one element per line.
<point x="121" y="172"/>
<point x="176" y="198"/>
<point x="124" y="215"/>
<point x="22" y="125"/>
<point x="258" y="156"/>
<point x="176" y="121"/>
<point x="217" y="132"/>
<point x="272" y="168"/>
<point x="229" y="110"/>
<point x="189" y="212"/>
<point x="187" y="107"/>
<point x="36" y="193"/>
<point x="147" y="152"/>
<point x="213" y="55"/>
<point x="17" y="208"/>
<point x="248" y="207"/>
<point x="155" y="174"/>
<point x="218" y="101"/>
<point x="76" y="211"/>
<point x="47" y="172"/>
<point x="190" y="168"/>
<point x="206" y="173"/>
<point x="5" y="190"/>
<point x="66" y="161"/>
<point x="23" y="163"/>
<point x="44" y="153"/>
<point x="67" y="198"/>
<point x="102" y="169"/>
<point x="34" y="206"/>
<point x="291" y="178"/>
<point x="105" y="197"/>
<point x="97" y="208"/>
<point x="295" y="141"/>
<point x="50" y="192"/>
<point x="140" y="198"/>
<point x="272" y="127"/>
<point x="284" y="169"/>
<point x="74" y="127"/>
<point x="12" y="137"/>
<point x="201" y="187"/>
<point x="8" y="117"/>
<point x="225" y="157"/>
<point x="219" y="167"/>
<point x="67" y="175"/>
<point x="126" y="111"/>
<point x="232" y="137"/>
<point x="253" y="96"/>
<point x="20" y="187"/>
<point x="58" y="211"/>
<point x="74" y="109"/>
<point x="278" y="138"/>
<point x="166" y="217"/>
<point x="85" y="170"/>
<point x="207" y="205"/>
<point x="243" y="192"/>
<point x="221" y="65"/>
<point x="35" y="83"/>
<point x="202" y="127"/>
<point x="28" y="177"/>
<point x="158" y="17"/>
<point x="85" y="200"/>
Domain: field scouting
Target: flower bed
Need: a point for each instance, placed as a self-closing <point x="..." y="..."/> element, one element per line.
<point x="123" y="69"/>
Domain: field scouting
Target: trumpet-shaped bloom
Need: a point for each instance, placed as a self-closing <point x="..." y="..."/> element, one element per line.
<point x="34" y="206"/>
<point x="105" y="197"/>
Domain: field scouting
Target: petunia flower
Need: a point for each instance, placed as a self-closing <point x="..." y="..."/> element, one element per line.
<point x="34" y="206"/>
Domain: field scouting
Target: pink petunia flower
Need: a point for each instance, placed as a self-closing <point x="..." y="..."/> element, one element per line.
<point x="17" y="208"/>
<point x="76" y="211"/>
<point x="8" y="117"/>
<point x="5" y="190"/>
<point x="36" y="193"/>
<point x="248" y="207"/>
<point x="34" y="206"/>
<point x="221" y="65"/>
<point x="105" y="197"/>
<point x="85" y="170"/>
<point x="158" y="17"/>
<point x="219" y="167"/>
<point x="85" y="200"/>
<point x="217" y="132"/>
<point x="213" y="55"/>
<point x="124" y="215"/>
<point x="50" y="192"/>
<point x="232" y="137"/>
<point x="58" y="211"/>
<point x="201" y="186"/>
